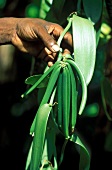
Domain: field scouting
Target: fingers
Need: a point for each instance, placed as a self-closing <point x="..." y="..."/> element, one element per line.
<point x="56" y="30"/>
<point x="47" y="39"/>
<point x="39" y="38"/>
<point x="66" y="51"/>
<point x="47" y="56"/>
<point x="31" y="47"/>
<point x="50" y="63"/>
<point x="36" y="49"/>
<point x="46" y="52"/>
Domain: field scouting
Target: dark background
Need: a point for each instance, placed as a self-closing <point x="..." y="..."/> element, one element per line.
<point x="14" y="130"/>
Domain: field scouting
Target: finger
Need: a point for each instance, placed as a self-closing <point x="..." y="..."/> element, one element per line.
<point x="66" y="51"/>
<point x="50" y="63"/>
<point x="46" y="52"/>
<point x="32" y="48"/>
<point x="49" y="60"/>
<point x="56" y="30"/>
<point x="47" y="39"/>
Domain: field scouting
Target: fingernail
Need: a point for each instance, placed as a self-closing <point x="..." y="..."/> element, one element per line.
<point x="56" y="48"/>
<point x="50" y="63"/>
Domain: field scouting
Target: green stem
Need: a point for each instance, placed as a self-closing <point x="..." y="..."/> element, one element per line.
<point x="65" y="31"/>
<point x="60" y="40"/>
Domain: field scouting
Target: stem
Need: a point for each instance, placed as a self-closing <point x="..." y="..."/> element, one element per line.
<point x="60" y="40"/>
<point x="65" y="31"/>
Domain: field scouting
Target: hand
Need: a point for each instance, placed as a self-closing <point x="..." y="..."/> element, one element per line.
<point x="38" y="37"/>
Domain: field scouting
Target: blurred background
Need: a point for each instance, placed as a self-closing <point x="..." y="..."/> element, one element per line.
<point x="16" y="114"/>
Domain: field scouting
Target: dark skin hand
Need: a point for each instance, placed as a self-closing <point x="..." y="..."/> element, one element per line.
<point x="34" y="36"/>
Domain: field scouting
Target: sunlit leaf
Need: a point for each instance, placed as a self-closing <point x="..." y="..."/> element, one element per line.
<point x="84" y="42"/>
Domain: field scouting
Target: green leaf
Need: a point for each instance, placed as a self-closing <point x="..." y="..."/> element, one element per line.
<point x="51" y="138"/>
<point x="56" y="8"/>
<point x="93" y="9"/>
<point x="33" y="79"/>
<point x="84" y="43"/>
<point x="49" y="146"/>
<point x="35" y="85"/>
<point x="39" y="135"/>
<point x="28" y="161"/>
<point x="63" y="151"/>
<point x="44" y="8"/>
<point x="40" y="95"/>
<point x="84" y="163"/>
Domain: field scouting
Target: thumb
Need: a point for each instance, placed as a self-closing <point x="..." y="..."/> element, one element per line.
<point x="48" y="40"/>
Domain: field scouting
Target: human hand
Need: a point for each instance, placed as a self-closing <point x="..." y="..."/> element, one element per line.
<point x="38" y="38"/>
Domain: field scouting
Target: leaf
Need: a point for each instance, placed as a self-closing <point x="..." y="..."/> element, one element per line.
<point x="63" y="151"/>
<point x="39" y="135"/>
<point x="51" y="139"/>
<point x="84" y="43"/>
<point x="92" y="8"/>
<point x="54" y="10"/>
<point x="40" y="95"/>
<point x="44" y="8"/>
<point x="28" y="161"/>
<point x="49" y="146"/>
<point x="84" y="163"/>
<point x="33" y="79"/>
<point x="35" y="85"/>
